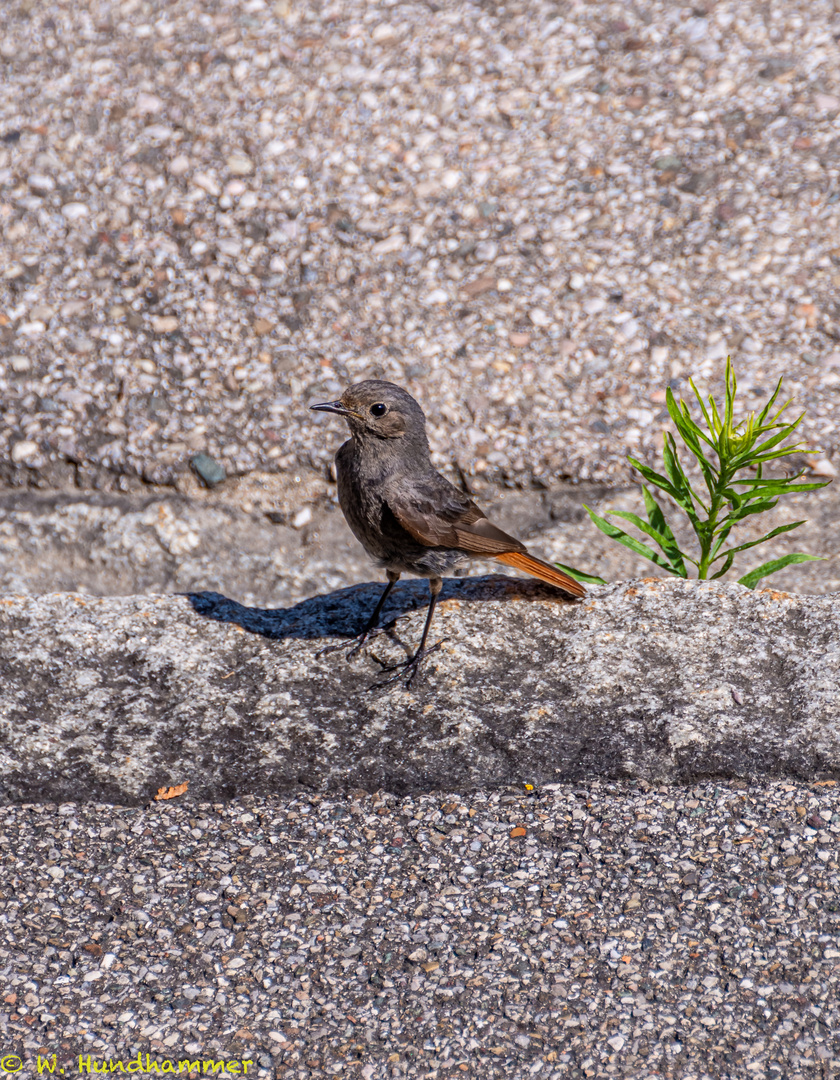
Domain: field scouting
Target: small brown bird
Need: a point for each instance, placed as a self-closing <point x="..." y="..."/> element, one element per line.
<point x="407" y="516"/>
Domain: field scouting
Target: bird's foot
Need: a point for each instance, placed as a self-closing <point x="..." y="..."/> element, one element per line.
<point x="359" y="642"/>
<point x="407" y="669"/>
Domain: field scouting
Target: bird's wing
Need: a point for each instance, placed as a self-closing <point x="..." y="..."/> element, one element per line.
<point x="436" y="514"/>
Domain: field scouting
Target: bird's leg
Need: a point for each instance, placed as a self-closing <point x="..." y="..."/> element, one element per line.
<point x="408" y="668"/>
<point x="370" y="630"/>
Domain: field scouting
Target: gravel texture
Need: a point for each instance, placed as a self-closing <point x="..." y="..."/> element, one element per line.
<point x="570" y="931"/>
<point x="656" y="680"/>
<point x="533" y="215"/>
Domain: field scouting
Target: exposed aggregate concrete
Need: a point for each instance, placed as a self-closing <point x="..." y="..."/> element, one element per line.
<point x="568" y="932"/>
<point x="535" y="216"/>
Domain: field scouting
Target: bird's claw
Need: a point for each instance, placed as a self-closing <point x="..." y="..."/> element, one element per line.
<point x="330" y="649"/>
<point x="353" y="652"/>
<point x="406" y="669"/>
<point x="359" y="642"/>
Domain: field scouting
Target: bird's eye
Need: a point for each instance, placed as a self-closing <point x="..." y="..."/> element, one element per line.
<point x="378" y="410"/>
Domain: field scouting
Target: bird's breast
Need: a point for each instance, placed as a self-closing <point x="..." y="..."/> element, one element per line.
<point x="361" y="499"/>
<point x="363" y="496"/>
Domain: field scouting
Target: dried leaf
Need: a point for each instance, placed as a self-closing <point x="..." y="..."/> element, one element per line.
<point x="171" y="792"/>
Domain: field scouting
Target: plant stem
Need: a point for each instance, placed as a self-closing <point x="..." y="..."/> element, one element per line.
<point x="708" y="538"/>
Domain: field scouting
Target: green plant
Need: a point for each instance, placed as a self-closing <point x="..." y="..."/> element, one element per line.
<point x="737" y="448"/>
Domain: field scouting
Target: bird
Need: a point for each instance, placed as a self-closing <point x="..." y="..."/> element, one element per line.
<point x="407" y="516"/>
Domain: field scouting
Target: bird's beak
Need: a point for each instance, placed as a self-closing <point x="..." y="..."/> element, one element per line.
<point x="331" y="406"/>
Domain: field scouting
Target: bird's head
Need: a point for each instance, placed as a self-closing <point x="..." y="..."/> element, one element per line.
<point x="379" y="409"/>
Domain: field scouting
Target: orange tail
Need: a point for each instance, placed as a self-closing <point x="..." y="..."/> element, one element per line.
<point x="537" y="568"/>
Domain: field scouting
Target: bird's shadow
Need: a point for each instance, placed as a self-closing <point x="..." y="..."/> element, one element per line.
<point x="343" y="613"/>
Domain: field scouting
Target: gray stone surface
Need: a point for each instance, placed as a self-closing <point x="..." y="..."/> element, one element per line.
<point x="261" y="539"/>
<point x="269" y="539"/>
<point x="110" y="699"/>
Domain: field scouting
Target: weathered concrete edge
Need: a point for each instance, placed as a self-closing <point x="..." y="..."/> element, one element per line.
<point x="110" y="699"/>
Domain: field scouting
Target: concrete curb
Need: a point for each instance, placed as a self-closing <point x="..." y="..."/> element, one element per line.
<point x="110" y="699"/>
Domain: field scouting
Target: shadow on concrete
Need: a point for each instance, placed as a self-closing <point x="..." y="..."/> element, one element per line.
<point x="343" y="613"/>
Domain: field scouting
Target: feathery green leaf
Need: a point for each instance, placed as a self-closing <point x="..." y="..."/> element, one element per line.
<point x="754" y="576"/>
